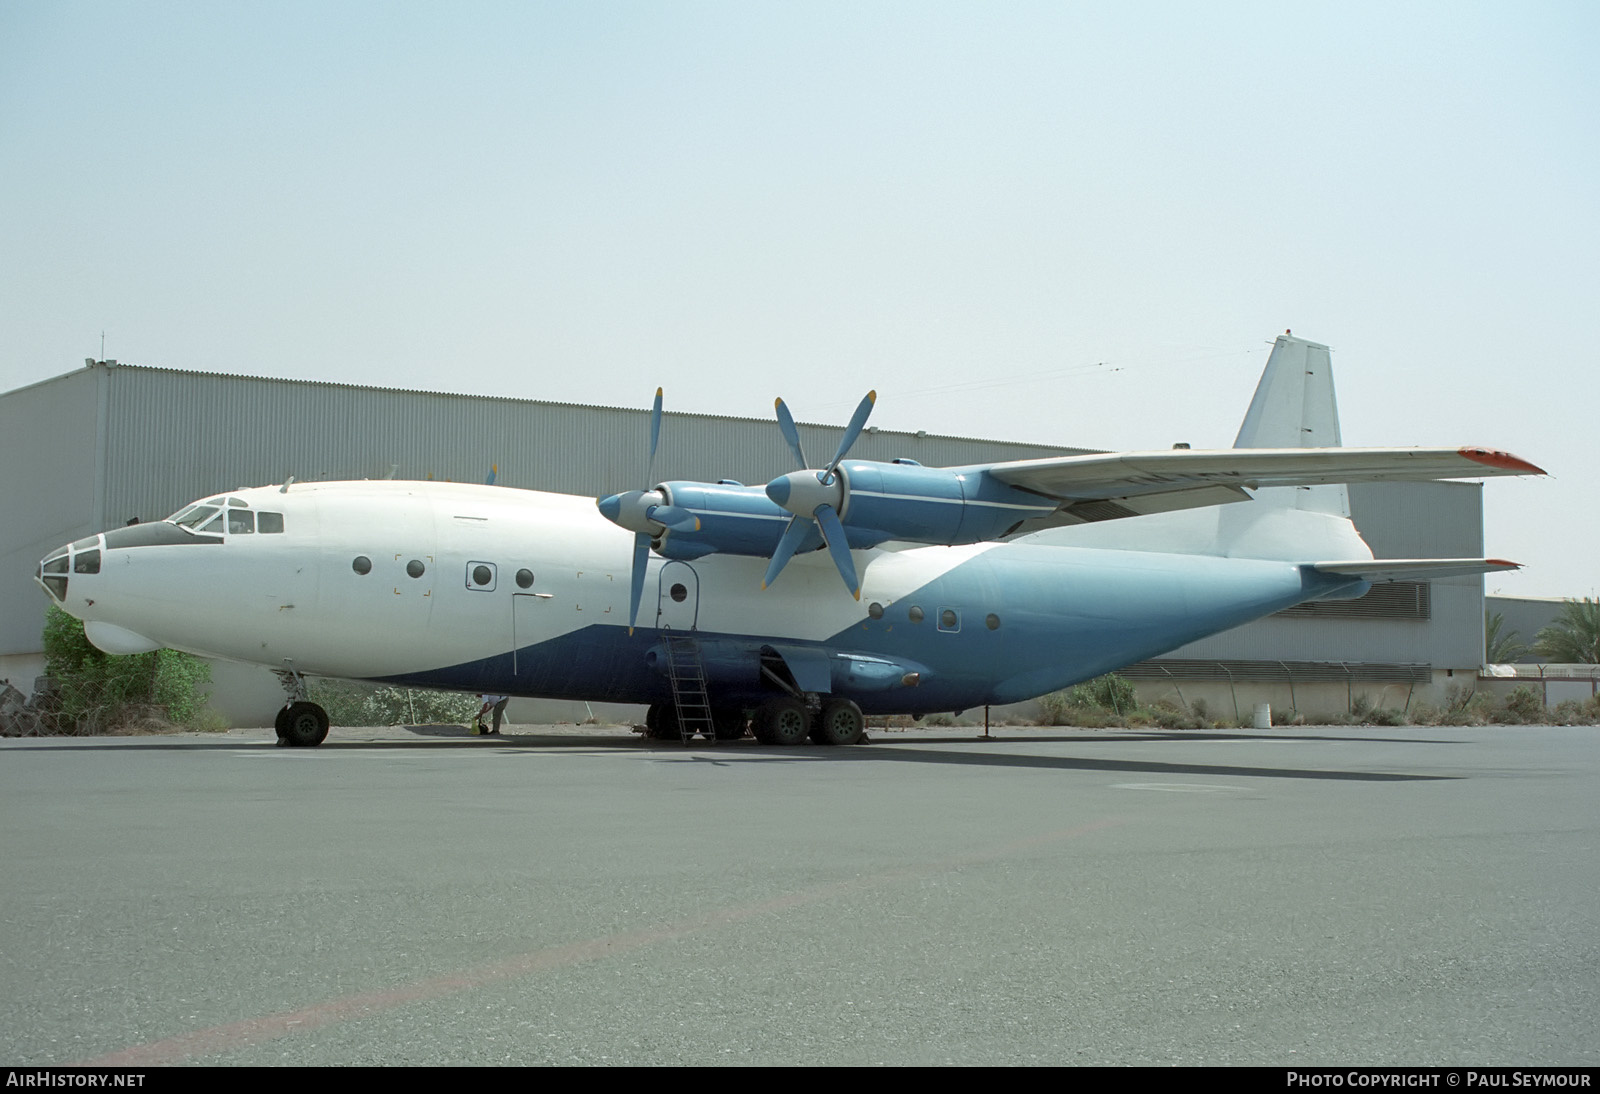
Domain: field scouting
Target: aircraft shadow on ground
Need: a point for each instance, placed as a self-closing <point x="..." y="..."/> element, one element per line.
<point x="882" y="751"/>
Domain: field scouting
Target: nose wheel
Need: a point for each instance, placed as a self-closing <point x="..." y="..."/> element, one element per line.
<point x="301" y="725"/>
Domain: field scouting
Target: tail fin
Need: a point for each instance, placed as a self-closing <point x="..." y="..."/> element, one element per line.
<point x="1295" y="407"/>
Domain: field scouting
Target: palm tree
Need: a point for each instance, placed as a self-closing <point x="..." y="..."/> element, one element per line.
<point x="1574" y="637"/>
<point x="1500" y="649"/>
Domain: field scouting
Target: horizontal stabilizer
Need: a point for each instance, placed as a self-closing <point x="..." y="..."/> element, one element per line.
<point x="1414" y="569"/>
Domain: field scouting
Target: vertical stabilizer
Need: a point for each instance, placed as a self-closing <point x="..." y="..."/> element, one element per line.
<point x="1295" y="407"/>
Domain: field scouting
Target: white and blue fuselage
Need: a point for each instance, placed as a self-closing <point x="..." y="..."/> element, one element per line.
<point x="490" y="589"/>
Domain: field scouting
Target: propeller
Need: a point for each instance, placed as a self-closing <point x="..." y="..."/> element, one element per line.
<point x="646" y="514"/>
<point x="815" y="497"/>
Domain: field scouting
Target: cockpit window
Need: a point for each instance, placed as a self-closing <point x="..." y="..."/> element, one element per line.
<point x="241" y="522"/>
<point x="213" y="501"/>
<point x="214" y="524"/>
<point x="192" y="516"/>
<point x="238" y="503"/>
<point x="269" y="522"/>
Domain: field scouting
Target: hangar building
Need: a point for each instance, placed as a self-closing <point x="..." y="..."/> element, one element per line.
<point x="110" y="443"/>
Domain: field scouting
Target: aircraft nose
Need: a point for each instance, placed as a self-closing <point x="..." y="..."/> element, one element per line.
<point x="56" y="568"/>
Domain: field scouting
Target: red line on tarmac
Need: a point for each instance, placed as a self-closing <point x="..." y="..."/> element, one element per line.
<point x="254" y="1031"/>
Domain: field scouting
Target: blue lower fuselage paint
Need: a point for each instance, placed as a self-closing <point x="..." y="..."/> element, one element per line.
<point x="1008" y="624"/>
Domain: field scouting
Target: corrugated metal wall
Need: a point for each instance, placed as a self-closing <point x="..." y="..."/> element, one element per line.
<point x="168" y="437"/>
<point x="177" y="436"/>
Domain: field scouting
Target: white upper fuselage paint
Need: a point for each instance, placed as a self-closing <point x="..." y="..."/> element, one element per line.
<point x="422" y="613"/>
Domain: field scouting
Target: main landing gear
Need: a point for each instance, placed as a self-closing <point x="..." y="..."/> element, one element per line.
<point x="781" y="720"/>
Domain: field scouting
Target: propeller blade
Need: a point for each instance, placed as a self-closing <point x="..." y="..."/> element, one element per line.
<point x="851" y="432"/>
<point x="641" y="559"/>
<point x="838" y="547"/>
<point x="790" y="433"/>
<point x="655" y="438"/>
<point x="674" y="517"/>
<point x="792" y="536"/>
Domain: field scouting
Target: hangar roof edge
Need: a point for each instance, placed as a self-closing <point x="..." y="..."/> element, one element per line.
<point x="119" y="366"/>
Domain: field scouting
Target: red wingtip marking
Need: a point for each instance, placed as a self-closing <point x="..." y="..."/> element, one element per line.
<point x="1493" y="457"/>
<point x="1504" y="562"/>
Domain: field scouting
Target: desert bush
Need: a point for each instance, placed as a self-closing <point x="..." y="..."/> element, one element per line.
<point x="1109" y="692"/>
<point x="95" y="692"/>
<point x="1524" y="706"/>
<point x="354" y="704"/>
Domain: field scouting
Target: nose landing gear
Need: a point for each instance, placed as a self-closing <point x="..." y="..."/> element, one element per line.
<point x="301" y="725"/>
<point x="300" y="722"/>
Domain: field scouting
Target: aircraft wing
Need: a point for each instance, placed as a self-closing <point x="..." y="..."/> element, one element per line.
<point x="1134" y="483"/>
<point x="1414" y="569"/>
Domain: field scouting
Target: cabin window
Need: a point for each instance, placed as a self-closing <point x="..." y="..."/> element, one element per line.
<point x="949" y="620"/>
<point x="524" y="579"/>
<point x="415" y="568"/>
<point x="361" y="564"/>
<point x="915" y="614"/>
<point x="480" y="576"/>
<point x="992" y="621"/>
<point x="679" y="593"/>
<point x="241" y="522"/>
<point x="875" y="610"/>
<point x="269" y="522"/>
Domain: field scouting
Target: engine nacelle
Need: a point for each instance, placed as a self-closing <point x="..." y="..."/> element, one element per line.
<point x="932" y="504"/>
<point x="734" y="520"/>
<point x="877" y="502"/>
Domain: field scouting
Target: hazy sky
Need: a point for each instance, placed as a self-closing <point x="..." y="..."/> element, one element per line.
<point x="1067" y="223"/>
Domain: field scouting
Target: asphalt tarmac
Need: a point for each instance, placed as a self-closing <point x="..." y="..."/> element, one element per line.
<point x="1306" y="896"/>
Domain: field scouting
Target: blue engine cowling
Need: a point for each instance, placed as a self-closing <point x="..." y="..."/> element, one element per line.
<point x="882" y="501"/>
<point x="932" y="504"/>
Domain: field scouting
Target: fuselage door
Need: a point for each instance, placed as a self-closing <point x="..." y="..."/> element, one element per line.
<point x="527" y="614"/>
<point x="678" y="604"/>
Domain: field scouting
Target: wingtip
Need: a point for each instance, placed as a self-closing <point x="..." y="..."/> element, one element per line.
<point x="1505" y="461"/>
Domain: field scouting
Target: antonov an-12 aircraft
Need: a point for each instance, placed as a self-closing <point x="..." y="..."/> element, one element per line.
<point x="794" y="606"/>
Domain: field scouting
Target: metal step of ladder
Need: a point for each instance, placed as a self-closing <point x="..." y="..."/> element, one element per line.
<point x="687" y="675"/>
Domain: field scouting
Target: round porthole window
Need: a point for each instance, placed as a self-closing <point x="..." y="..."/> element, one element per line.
<point x="524" y="579"/>
<point x="361" y="564"/>
<point x="947" y="618"/>
<point x="481" y="575"/>
<point x="875" y="610"/>
<point x="915" y="614"/>
<point x="679" y="593"/>
<point x="415" y="567"/>
<point x="992" y="621"/>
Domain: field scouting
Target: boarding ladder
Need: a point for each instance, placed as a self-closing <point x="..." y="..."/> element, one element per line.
<point x="687" y="674"/>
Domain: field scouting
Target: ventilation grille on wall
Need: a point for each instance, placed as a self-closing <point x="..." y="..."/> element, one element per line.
<point x="1391" y="600"/>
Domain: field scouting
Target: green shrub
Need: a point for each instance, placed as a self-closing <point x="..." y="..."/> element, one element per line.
<point x="1524" y="705"/>
<point x="96" y="692"/>
<point x="1109" y="692"/>
<point x="353" y="704"/>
